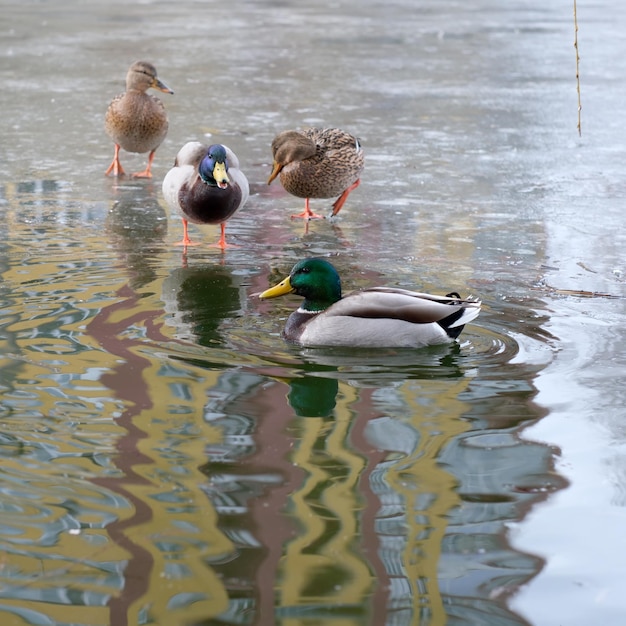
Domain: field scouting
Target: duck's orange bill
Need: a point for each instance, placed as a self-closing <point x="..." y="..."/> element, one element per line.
<point x="275" y="172"/>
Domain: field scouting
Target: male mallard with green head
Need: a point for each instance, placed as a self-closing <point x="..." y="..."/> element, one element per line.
<point x="317" y="163"/>
<point x="135" y="120"/>
<point x="206" y="186"/>
<point x="380" y="317"/>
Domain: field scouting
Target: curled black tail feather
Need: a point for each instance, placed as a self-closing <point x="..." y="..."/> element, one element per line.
<point x="446" y="322"/>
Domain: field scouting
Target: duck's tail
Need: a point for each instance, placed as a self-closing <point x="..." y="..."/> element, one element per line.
<point x="454" y="323"/>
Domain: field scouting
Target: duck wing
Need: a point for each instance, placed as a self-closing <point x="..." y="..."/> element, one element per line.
<point x="238" y="178"/>
<point x="409" y="306"/>
<point x="183" y="173"/>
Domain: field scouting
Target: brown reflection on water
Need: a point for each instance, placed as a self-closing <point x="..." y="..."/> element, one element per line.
<point x="170" y="531"/>
<point x="267" y="522"/>
<point x="126" y="381"/>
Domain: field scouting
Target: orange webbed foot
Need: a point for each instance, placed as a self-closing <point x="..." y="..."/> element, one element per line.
<point x="147" y="173"/>
<point x="307" y="214"/>
<point x="143" y="174"/>
<point x="185" y="241"/>
<point x="116" y="167"/>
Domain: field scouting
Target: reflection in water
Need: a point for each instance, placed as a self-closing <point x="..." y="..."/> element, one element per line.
<point x="250" y="477"/>
<point x="350" y="510"/>
<point x="126" y="381"/>
<point x="160" y="484"/>
<point x="199" y="298"/>
<point x="313" y="396"/>
<point x="336" y="485"/>
<point x="53" y="517"/>
<point x="136" y="225"/>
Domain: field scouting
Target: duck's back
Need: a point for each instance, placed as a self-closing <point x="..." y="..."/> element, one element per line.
<point x="136" y="121"/>
<point x="337" y="164"/>
<point x="383" y="317"/>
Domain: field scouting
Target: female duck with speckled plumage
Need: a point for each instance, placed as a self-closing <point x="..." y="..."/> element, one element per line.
<point x="206" y="186"/>
<point x="136" y="121"/>
<point x="317" y="163"/>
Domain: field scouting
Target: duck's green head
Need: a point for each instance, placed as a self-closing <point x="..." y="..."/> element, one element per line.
<point x="316" y="280"/>
<point x="214" y="167"/>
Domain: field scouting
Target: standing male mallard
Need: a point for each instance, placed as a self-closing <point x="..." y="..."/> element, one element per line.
<point x="379" y="317"/>
<point x="135" y="120"/>
<point x="317" y="163"/>
<point x="206" y="186"/>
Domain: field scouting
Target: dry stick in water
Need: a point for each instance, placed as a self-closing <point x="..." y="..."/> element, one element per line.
<point x="577" y="64"/>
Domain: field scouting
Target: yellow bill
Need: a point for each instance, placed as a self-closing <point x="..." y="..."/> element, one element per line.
<point x="220" y="175"/>
<point x="281" y="289"/>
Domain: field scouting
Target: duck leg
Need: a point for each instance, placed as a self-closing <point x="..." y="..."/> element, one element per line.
<point x="185" y="240"/>
<point x="147" y="173"/>
<point x="116" y="166"/>
<point x="342" y="198"/>
<point x="307" y="214"/>
<point x="222" y="241"/>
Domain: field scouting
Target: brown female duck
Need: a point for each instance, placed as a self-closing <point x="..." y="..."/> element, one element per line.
<point x="136" y="121"/>
<point x="317" y="163"/>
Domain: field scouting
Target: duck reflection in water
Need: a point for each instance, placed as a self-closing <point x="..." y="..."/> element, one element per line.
<point x="136" y="226"/>
<point x="313" y="396"/>
<point x="199" y="299"/>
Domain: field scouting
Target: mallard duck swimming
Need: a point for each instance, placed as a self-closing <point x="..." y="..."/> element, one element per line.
<point x="206" y="186"/>
<point x="372" y="318"/>
<point x="317" y="163"/>
<point x="135" y="120"/>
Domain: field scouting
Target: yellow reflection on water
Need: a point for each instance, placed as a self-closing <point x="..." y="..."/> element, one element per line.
<point x="321" y="563"/>
<point x="372" y="516"/>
